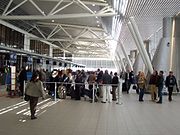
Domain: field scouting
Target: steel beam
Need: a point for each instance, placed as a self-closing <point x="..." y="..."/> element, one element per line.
<point x="86" y="7"/>
<point x="62" y="8"/>
<point x="72" y="40"/>
<point x="126" y="56"/>
<point x="71" y="26"/>
<point x="60" y="1"/>
<point x="7" y="7"/>
<point x="51" y="17"/>
<point x="120" y="60"/>
<point x="85" y="2"/>
<point x="139" y="38"/>
<point x="136" y="42"/>
<point x="29" y="34"/>
<point x="16" y="7"/>
<point x="37" y="7"/>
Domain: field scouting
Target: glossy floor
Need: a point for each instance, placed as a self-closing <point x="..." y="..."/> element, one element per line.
<point x="69" y="117"/>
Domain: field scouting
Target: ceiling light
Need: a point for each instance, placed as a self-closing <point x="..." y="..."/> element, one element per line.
<point x="95" y="11"/>
<point x="98" y="25"/>
<point x="97" y="21"/>
<point x="96" y="17"/>
<point x="52" y="20"/>
<point x="93" y="5"/>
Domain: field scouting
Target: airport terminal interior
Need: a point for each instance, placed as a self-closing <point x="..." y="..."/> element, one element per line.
<point x="89" y="67"/>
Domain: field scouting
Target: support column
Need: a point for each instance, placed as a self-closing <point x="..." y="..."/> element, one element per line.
<point x="137" y="43"/>
<point x="144" y="52"/>
<point x="127" y="57"/>
<point x="121" y="63"/>
<point x="147" y="46"/>
<point x="50" y="51"/>
<point x="64" y="55"/>
<point x="132" y="56"/>
<point x="51" y="55"/>
<point x="26" y="43"/>
<point x="118" y="66"/>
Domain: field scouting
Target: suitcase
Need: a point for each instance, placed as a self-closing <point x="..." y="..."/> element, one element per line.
<point x="62" y="92"/>
<point x="124" y="87"/>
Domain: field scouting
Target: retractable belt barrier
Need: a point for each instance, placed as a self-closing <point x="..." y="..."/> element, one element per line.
<point x="119" y="88"/>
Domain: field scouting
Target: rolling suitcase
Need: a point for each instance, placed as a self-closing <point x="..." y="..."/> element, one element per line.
<point x="62" y="92"/>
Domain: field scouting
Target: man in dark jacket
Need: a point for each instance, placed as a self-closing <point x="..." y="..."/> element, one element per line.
<point x="106" y="81"/>
<point x="152" y="85"/>
<point x="115" y="82"/>
<point x="170" y="83"/>
<point x="160" y="84"/>
<point x="22" y="77"/>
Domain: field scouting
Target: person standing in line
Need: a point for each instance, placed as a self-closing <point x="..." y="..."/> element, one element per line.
<point x="160" y="84"/>
<point x="106" y="81"/>
<point x="170" y="83"/>
<point x="91" y="79"/>
<point x="22" y="77"/>
<point x="141" y="85"/>
<point x="34" y="89"/>
<point x="78" y="85"/>
<point x="115" y="82"/>
<point x="152" y="85"/>
<point x="99" y="82"/>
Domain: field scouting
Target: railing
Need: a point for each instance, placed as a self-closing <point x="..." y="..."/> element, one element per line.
<point x="119" y="88"/>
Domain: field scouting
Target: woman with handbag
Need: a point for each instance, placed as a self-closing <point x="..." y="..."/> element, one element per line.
<point x="34" y="89"/>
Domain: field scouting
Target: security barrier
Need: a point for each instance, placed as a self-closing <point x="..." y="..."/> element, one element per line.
<point x="119" y="88"/>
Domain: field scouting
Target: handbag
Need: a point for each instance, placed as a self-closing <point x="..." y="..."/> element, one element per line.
<point x="26" y="97"/>
<point x="134" y="87"/>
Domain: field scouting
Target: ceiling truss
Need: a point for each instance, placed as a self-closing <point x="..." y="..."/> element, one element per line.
<point x="54" y="12"/>
<point x="94" y="44"/>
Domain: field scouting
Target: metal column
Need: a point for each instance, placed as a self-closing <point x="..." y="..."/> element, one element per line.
<point x="140" y="41"/>
<point x="137" y="43"/>
<point x="122" y="64"/>
<point x="127" y="58"/>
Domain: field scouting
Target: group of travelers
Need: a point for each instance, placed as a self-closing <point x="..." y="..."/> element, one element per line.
<point x="156" y="83"/>
<point x="105" y="85"/>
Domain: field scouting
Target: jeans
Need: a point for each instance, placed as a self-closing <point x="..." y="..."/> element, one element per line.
<point x="160" y="93"/>
<point x="141" y="94"/>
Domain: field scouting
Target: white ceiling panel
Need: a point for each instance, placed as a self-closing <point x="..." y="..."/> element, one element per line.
<point x="148" y="15"/>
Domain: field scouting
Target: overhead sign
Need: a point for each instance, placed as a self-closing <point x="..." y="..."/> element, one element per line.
<point x="29" y="59"/>
<point x="13" y="57"/>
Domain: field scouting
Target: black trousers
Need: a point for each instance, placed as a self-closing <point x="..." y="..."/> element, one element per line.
<point x="21" y="88"/>
<point x="77" y="92"/>
<point x="170" y="90"/>
<point x="114" y="93"/>
<point x="33" y="103"/>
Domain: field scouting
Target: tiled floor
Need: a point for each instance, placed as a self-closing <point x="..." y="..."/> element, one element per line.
<point x="69" y="117"/>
